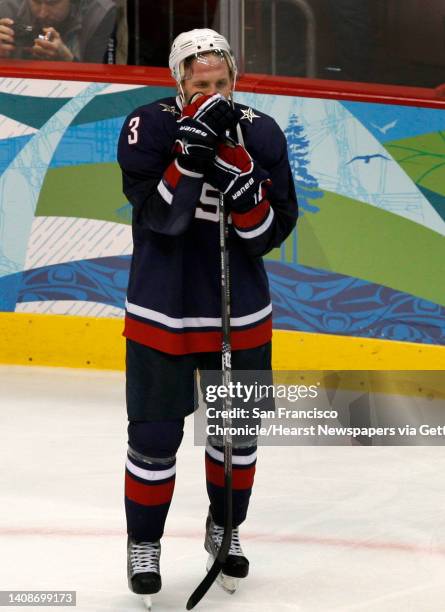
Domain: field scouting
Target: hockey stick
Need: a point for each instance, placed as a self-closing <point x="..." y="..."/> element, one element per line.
<point x="226" y="353"/>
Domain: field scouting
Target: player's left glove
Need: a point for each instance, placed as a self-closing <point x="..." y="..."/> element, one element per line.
<point x="238" y="177"/>
<point x="202" y="122"/>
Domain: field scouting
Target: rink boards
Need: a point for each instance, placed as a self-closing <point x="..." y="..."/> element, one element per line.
<point x="359" y="284"/>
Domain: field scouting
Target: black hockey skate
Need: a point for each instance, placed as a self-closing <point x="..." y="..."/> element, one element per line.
<point x="144" y="577"/>
<point x="236" y="565"/>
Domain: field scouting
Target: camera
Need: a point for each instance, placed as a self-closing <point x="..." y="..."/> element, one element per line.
<point x="24" y="34"/>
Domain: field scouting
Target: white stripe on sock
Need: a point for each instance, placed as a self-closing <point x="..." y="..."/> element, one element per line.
<point x="236" y="459"/>
<point x="150" y="475"/>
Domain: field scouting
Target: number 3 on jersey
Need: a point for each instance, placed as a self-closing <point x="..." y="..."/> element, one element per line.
<point x="133" y="125"/>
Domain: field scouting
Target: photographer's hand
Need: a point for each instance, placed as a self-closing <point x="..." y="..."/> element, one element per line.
<point x="6" y="37"/>
<point x="52" y="47"/>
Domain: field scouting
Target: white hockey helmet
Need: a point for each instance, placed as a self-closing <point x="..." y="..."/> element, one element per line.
<point x="195" y="42"/>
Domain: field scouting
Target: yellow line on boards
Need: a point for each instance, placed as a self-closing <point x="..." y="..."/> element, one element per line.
<point x="97" y="343"/>
<point x="307" y="351"/>
<point x="59" y="340"/>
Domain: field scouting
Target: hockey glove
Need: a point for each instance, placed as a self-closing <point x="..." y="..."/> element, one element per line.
<point x="238" y="177"/>
<point x="215" y="113"/>
<point x="195" y="146"/>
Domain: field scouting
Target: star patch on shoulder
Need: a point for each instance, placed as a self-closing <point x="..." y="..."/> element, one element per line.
<point x="249" y="114"/>
<point x="166" y="108"/>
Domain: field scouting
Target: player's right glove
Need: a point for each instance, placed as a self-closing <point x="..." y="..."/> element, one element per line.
<point x="195" y="146"/>
<point x="202" y="122"/>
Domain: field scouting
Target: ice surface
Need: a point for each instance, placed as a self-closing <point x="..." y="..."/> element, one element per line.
<point x="330" y="528"/>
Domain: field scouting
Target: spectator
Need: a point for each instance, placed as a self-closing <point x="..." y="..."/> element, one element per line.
<point x="63" y="30"/>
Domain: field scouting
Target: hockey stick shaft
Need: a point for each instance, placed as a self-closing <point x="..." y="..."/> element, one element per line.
<point x="226" y="356"/>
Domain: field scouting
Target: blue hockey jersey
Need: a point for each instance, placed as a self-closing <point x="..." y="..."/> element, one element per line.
<point x="174" y="298"/>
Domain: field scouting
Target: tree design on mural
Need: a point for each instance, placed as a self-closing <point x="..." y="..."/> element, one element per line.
<point x="306" y="185"/>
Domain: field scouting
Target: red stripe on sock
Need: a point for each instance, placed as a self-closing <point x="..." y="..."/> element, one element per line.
<point x="148" y="494"/>
<point x="241" y="478"/>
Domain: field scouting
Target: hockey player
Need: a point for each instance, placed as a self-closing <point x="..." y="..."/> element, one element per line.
<point x="176" y="155"/>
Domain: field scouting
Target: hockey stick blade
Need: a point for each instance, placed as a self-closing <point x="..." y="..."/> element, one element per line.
<point x="222" y="555"/>
<point x="205" y="584"/>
